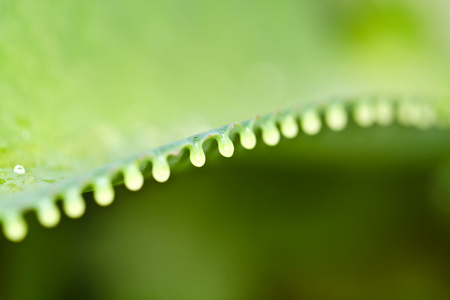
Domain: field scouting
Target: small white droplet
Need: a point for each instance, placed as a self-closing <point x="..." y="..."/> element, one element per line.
<point x="364" y="114"/>
<point x="103" y="192"/>
<point x="248" y="138"/>
<point x="415" y="113"/>
<point x="197" y="156"/>
<point x="428" y="116"/>
<point x="270" y="134"/>
<point x="161" y="169"/>
<point x="336" y="117"/>
<point x="14" y="227"/>
<point x="289" y="127"/>
<point x="48" y="214"/>
<point x="133" y="178"/>
<point x="19" y="170"/>
<point x="407" y="114"/>
<point x="384" y="113"/>
<point x="226" y="147"/>
<point x="311" y="123"/>
<point x="74" y="204"/>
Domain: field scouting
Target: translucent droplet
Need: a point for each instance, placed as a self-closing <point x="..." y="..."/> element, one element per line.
<point x="336" y="117"/>
<point x="161" y="169"/>
<point x="19" y="170"/>
<point x="310" y="122"/>
<point x="133" y="178"/>
<point x="226" y="147"/>
<point x="384" y="113"/>
<point x="103" y="191"/>
<point x="48" y="213"/>
<point x="197" y="155"/>
<point x="429" y="117"/>
<point x="270" y="133"/>
<point x="14" y="227"/>
<point x="404" y="113"/>
<point x="364" y="114"/>
<point x="248" y="138"/>
<point x="415" y="113"/>
<point x="289" y="127"/>
<point x="74" y="204"/>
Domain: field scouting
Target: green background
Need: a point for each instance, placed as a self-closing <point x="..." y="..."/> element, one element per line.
<point x="359" y="214"/>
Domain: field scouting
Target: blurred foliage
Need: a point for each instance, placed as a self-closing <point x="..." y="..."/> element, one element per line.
<point x="348" y="215"/>
<point x="133" y="75"/>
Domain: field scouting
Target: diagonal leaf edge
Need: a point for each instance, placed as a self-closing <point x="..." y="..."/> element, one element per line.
<point x="418" y="112"/>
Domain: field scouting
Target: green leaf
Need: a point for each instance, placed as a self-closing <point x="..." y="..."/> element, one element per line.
<point x="89" y="87"/>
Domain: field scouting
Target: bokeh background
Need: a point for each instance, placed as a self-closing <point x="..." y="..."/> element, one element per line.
<point x="361" y="214"/>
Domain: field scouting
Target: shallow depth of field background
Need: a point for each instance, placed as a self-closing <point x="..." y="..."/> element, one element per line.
<point x="359" y="214"/>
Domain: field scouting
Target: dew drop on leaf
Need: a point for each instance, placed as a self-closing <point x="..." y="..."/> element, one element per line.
<point x="161" y="169"/>
<point x="197" y="155"/>
<point x="336" y="117"/>
<point x="226" y="147"/>
<point x="270" y="134"/>
<point x="248" y="139"/>
<point x="289" y="127"/>
<point x="311" y="123"/>
<point x="384" y="112"/>
<point x="133" y="178"/>
<point x="103" y="192"/>
<point x="74" y="204"/>
<point x="19" y="170"/>
<point x="14" y="227"/>
<point x="48" y="213"/>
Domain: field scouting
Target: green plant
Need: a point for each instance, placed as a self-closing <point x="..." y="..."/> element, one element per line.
<point x="41" y="194"/>
<point x="87" y="88"/>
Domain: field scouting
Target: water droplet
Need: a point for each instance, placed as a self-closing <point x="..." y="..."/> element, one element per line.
<point x="161" y="169"/>
<point x="336" y="117"/>
<point x="197" y="155"/>
<point x="133" y="178"/>
<point x="384" y="113"/>
<point x="14" y="227"/>
<point x="47" y="213"/>
<point x="413" y="113"/>
<point x="103" y="191"/>
<point x="270" y="133"/>
<point x="429" y="117"/>
<point x="248" y="138"/>
<point x="289" y="127"/>
<point x="226" y="147"/>
<point x="310" y="122"/>
<point x="74" y="204"/>
<point x="406" y="114"/>
<point x="19" y="170"/>
<point x="364" y="114"/>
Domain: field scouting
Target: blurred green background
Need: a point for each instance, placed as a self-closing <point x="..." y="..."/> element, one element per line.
<point x="133" y="75"/>
<point x="312" y="218"/>
<point x="360" y="214"/>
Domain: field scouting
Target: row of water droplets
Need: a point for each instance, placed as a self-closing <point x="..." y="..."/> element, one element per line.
<point x="419" y="114"/>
